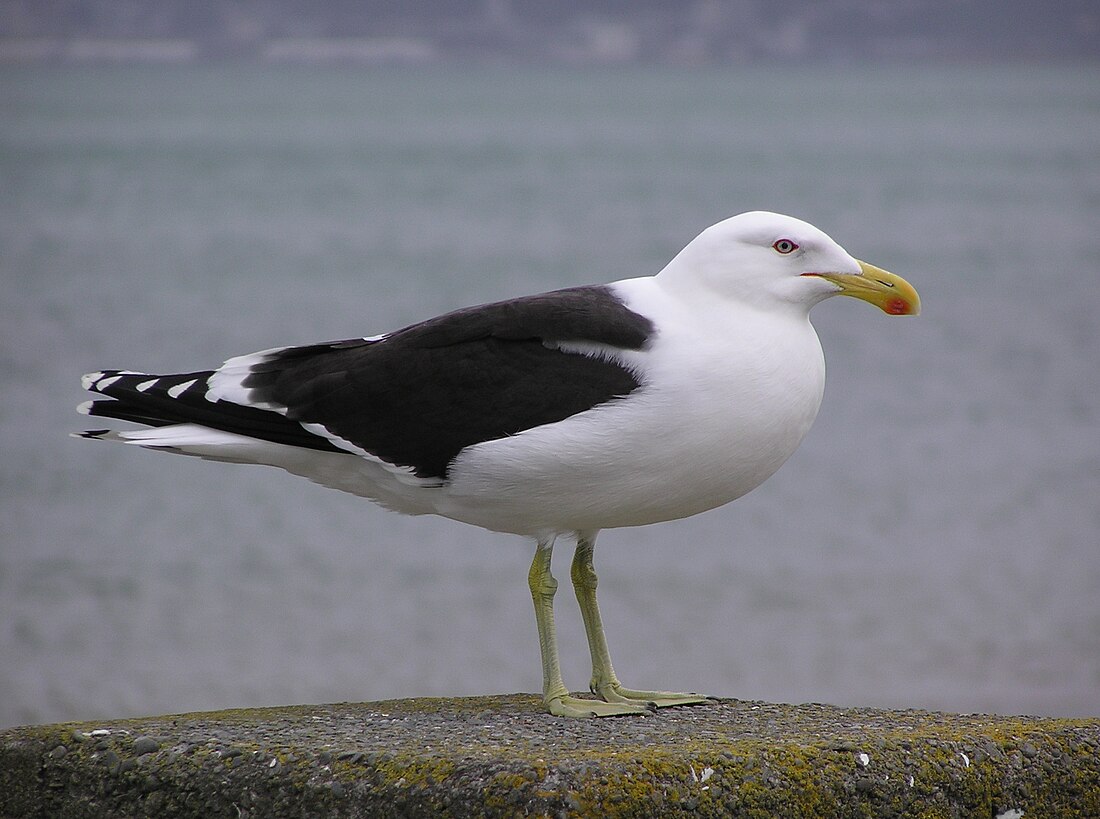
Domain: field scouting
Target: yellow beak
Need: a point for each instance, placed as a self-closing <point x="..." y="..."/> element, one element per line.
<point x="891" y="294"/>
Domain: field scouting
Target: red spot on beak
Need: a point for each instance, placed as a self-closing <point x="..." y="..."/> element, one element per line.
<point x="897" y="307"/>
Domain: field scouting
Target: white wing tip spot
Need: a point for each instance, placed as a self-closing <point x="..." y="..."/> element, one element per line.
<point x="89" y="380"/>
<point x="104" y="383"/>
<point x="176" y="391"/>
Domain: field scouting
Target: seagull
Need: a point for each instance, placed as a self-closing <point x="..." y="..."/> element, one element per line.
<point x="561" y="414"/>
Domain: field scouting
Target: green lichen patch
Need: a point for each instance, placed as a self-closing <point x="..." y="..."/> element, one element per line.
<point x="503" y="756"/>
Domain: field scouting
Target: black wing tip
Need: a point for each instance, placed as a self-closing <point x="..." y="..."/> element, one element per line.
<point x="92" y="434"/>
<point x="182" y="398"/>
<point x="93" y="381"/>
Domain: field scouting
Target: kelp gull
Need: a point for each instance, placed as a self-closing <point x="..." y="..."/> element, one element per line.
<point x="644" y="400"/>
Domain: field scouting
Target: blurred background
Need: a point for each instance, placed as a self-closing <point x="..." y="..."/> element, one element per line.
<point x="181" y="182"/>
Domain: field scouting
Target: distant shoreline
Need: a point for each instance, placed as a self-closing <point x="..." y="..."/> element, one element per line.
<point x="414" y="50"/>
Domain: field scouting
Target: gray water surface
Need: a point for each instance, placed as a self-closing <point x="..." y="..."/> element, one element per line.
<point x="934" y="543"/>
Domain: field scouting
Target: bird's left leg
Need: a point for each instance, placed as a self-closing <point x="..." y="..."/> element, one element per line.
<point x="604" y="682"/>
<point x="557" y="698"/>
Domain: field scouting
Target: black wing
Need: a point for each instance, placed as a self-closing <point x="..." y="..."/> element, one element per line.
<point x="419" y="396"/>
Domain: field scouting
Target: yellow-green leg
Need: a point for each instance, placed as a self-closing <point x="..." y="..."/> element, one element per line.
<point x="604" y="682"/>
<point x="554" y="694"/>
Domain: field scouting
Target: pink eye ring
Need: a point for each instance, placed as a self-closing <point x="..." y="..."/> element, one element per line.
<point x="785" y="246"/>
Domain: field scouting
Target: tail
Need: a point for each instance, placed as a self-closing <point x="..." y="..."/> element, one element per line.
<point x="181" y="408"/>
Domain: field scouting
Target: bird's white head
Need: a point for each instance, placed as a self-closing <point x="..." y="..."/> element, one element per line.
<point x="773" y="260"/>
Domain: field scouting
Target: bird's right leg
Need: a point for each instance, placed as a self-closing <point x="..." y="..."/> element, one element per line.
<point x="554" y="693"/>
<point x="604" y="682"/>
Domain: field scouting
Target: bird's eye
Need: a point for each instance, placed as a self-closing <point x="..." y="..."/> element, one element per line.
<point x="785" y="246"/>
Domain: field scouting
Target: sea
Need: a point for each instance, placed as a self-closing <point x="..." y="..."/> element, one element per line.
<point x="934" y="543"/>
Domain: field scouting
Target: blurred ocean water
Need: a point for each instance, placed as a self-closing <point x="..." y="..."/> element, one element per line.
<point x="934" y="543"/>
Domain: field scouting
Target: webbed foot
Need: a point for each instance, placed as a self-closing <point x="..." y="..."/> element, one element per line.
<point x="570" y="706"/>
<point x="615" y="692"/>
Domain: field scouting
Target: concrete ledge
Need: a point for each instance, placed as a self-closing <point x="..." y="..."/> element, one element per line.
<point x="502" y="756"/>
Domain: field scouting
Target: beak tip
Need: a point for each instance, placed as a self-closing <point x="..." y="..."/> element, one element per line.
<point x="898" y="297"/>
<point x="902" y="307"/>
